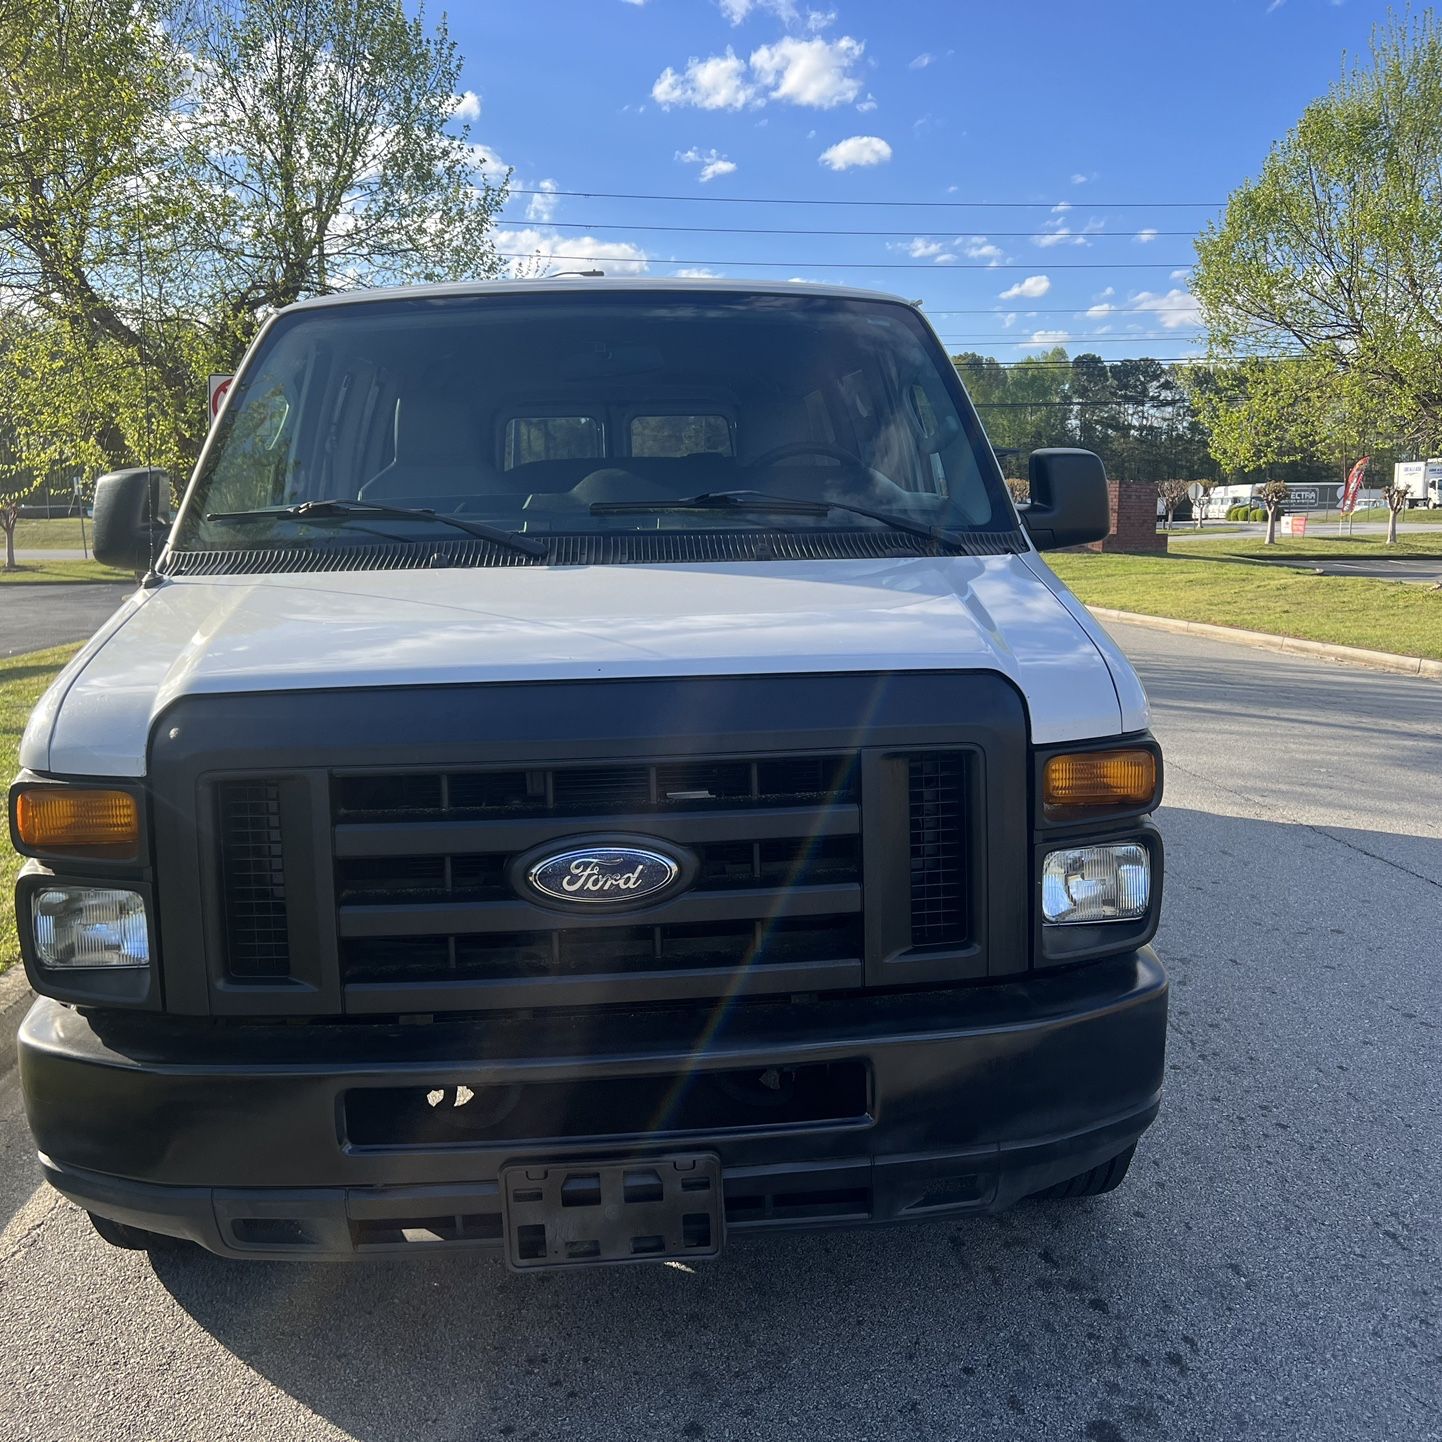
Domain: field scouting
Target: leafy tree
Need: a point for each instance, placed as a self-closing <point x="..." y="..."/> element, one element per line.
<point x="1172" y="493"/>
<point x="1274" y="497"/>
<point x="1334" y="253"/>
<point x="1396" y="498"/>
<point x="174" y="170"/>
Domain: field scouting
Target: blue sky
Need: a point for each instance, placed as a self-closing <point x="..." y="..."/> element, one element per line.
<point x="1111" y="119"/>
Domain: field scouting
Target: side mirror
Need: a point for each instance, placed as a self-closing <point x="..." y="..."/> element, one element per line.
<point x="1068" y="504"/>
<point x="132" y="517"/>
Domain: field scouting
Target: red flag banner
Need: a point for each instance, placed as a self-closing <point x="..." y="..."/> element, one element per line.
<point x="1353" y="486"/>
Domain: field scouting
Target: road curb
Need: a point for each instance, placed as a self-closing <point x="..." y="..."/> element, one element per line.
<point x="1291" y="645"/>
<point x="15" y="999"/>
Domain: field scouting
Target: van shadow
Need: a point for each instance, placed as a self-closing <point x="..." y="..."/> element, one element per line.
<point x="1126" y="1318"/>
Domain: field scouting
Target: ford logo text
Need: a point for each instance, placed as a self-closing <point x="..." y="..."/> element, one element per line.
<point x="601" y="875"/>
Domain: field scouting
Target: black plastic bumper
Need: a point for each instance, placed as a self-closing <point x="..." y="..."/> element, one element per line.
<point x="240" y="1137"/>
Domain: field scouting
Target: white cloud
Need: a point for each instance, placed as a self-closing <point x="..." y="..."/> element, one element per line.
<point x="865" y="107"/>
<point x="1147" y="236"/>
<point x="1100" y="309"/>
<point x="1174" y="309"/>
<point x="1183" y="274"/>
<point x="813" y="72"/>
<point x="536" y="251"/>
<point x="698" y="273"/>
<point x="712" y="162"/>
<point x="1029" y="289"/>
<point x="980" y="248"/>
<point x="487" y="163"/>
<point x="716" y="83"/>
<point x="856" y="150"/>
<point x="919" y="248"/>
<point x="466" y="106"/>
<point x="1044" y="340"/>
<point x="922" y="61"/>
<point x="1106" y="294"/>
<point x="1062" y="235"/>
<point x="1009" y="319"/>
<point x="1061" y="207"/>
<point x="817" y="73"/>
<point x="1082" y="177"/>
<point x="543" y="207"/>
<point x="635" y="2"/>
<point x="784" y="10"/>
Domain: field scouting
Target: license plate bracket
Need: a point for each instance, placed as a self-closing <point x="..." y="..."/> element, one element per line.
<point x="583" y="1213"/>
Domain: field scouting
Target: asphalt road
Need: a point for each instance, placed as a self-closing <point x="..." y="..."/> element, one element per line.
<point x="1419" y="572"/>
<point x="35" y="616"/>
<point x="1270" y="1270"/>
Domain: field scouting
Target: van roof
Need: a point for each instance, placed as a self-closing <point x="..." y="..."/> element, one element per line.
<point x="543" y="286"/>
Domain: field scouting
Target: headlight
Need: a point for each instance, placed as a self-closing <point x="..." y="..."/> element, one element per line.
<point x="1096" y="883"/>
<point x="82" y="926"/>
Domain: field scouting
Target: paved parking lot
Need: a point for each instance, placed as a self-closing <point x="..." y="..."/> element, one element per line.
<point x="1270" y="1270"/>
<point x="33" y="617"/>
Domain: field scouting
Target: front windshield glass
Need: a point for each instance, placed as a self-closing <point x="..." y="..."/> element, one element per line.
<point x="566" y="413"/>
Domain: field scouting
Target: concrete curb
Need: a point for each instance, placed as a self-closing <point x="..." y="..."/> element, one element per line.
<point x="15" y="999"/>
<point x="1292" y="645"/>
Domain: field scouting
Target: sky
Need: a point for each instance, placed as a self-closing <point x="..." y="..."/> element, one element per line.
<point x="1044" y="163"/>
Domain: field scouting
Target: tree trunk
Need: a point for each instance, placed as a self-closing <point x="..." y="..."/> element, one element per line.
<point x="1271" y="527"/>
<point x="1391" y="525"/>
<point x="9" y="547"/>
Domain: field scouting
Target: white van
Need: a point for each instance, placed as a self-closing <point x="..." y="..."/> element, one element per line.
<point x="592" y="770"/>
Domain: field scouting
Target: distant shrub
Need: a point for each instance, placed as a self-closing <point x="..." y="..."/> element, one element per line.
<point x="1258" y="513"/>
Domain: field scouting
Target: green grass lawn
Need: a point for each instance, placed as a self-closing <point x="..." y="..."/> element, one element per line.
<point x="69" y="572"/>
<point x="60" y="534"/>
<point x="1379" y="615"/>
<point x="1324" y="545"/>
<point x="22" y="679"/>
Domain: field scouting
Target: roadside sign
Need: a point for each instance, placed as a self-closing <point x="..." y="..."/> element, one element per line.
<point x="1295" y="525"/>
<point x="219" y="388"/>
<point x="1195" y="492"/>
<point x="1341" y="491"/>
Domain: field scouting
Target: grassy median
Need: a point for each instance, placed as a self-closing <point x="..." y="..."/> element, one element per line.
<point x="1343" y="611"/>
<point x="69" y="573"/>
<point x="22" y="679"/>
<point x="1319" y="546"/>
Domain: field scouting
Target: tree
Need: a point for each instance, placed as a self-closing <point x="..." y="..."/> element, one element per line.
<point x="173" y="170"/>
<point x="1334" y="255"/>
<point x="1274" y="497"/>
<point x="1172" y="493"/>
<point x="1396" y="498"/>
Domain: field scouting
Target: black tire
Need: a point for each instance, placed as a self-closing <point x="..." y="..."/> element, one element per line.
<point x="1105" y="1178"/>
<point x="134" y="1239"/>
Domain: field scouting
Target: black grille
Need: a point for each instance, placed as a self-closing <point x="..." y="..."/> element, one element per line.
<point x="938" y="879"/>
<point x="257" y="944"/>
<point x="423" y="886"/>
<point x="606" y="548"/>
<point x="766" y="783"/>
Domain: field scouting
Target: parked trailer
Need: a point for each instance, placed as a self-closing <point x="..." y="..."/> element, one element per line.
<point x="1422" y="480"/>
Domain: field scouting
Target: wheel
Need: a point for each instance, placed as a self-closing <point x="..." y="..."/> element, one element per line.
<point x="134" y="1239"/>
<point x="1105" y="1178"/>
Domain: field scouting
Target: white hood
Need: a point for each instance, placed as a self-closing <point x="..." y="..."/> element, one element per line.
<point x="454" y="626"/>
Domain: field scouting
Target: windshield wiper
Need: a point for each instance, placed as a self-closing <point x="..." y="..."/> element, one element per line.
<point x="779" y="505"/>
<point x="339" y="509"/>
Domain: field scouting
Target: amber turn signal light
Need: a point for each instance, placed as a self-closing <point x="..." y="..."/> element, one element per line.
<point x="1092" y="779"/>
<point x="71" y="819"/>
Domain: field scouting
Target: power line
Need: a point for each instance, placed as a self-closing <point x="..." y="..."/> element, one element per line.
<point x="1044" y="310"/>
<point x="882" y="234"/>
<point x="873" y="204"/>
<point x="851" y="264"/>
<point x="1159" y="360"/>
<point x="1018" y="338"/>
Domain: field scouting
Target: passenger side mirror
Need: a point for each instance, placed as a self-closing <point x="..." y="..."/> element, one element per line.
<point x="132" y="517"/>
<point x="1068" y="505"/>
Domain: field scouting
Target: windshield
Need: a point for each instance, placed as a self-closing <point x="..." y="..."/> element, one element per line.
<point x="540" y="413"/>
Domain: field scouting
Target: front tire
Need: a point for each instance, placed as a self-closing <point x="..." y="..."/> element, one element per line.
<point x="134" y="1239"/>
<point x="1105" y="1178"/>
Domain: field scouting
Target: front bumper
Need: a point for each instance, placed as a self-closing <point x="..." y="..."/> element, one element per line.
<point x="240" y="1137"/>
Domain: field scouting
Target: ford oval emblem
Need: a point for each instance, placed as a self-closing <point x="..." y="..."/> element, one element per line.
<point x="610" y="874"/>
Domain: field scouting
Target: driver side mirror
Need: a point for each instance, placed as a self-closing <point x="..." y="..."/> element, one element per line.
<point x="1068" y="505"/>
<point x="132" y="517"/>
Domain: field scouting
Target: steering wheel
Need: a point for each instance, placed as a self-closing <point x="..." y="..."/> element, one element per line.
<point x="777" y="454"/>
